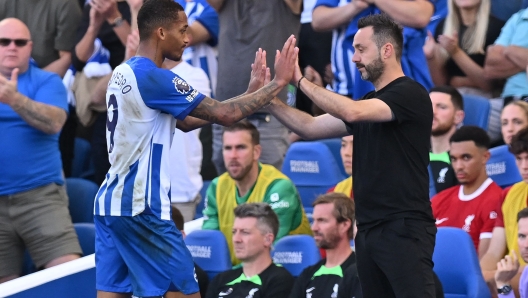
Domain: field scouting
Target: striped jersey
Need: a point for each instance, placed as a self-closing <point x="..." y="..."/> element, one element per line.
<point x="143" y="103"/>
<point x="203" y="55"/>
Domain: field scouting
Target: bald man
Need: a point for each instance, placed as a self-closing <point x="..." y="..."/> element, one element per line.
<point x="33" y="203"/>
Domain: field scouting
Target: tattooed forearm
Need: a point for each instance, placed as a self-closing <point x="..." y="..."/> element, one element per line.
<point x="235" y="109"/>
<point x="46" y="118"/>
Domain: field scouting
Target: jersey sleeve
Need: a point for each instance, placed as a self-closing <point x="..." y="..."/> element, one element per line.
<point x="327" y="3"/>
<point x="284" y="199"/>
<point x="209" y="19"/>
<point x="508" y="30"/>
<point x="499" y="222"/>
<point x="163" y="90"/>
<point x="210" y="211"/>
<point x="408" y="101"/>
<point x="489" y="215"/>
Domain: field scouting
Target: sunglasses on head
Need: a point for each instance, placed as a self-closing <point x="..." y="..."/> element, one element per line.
<point x="4" y="42"/>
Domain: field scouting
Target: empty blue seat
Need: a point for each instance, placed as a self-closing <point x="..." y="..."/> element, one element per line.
<point x="295" y="253"/>
<point x="82" y="164"/>
<point x="209" y="250"/>
<point x="335" y="147"/>
<point x="457" y="266"/>
<point x="312" y="168"/>
<point x="81" y="193"/>
<point x="86" y="234"/>
<point x="477" y="111"/>
<point x="501" y="167"/>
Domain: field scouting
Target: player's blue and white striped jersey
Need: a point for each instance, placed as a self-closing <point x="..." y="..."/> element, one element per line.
<point x="143" y="104"/>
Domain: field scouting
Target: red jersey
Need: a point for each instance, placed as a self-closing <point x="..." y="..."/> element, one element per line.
<point x="475" y="213"/>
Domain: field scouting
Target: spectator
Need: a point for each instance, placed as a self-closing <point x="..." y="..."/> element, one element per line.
<point x="514" y="117"/>
<point x="254" y="230"/>
<point x="448" y="114"/>
<point x="508" y="267"/>
<point x="471" y="206"/>
<point x="248" y="181"/>
<point x="333" y="228"/>
<point x="345" y="186"/>
<point x="458" y="58"/>
<point x="504" y="236"/>
<point x="203" y="279"/>
<point x="33" y="108"/>
<point x="186" y="149"/>
<point x="246" y="26"/>
<point x="507" y="59"/>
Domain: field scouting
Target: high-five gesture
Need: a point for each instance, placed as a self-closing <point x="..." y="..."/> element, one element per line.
<point x="259" y="71"/>
<point x="286" y="62"/>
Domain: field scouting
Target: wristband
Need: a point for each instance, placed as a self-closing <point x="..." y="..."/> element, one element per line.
<point x="299" y="83"/>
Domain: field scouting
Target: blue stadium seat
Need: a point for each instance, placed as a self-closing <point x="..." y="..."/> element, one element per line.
<point x="312" y="168"/>
<point x="86" y="234"/>
<point x="335" y="147"/>
<point x="210" y="251"/>
<point x="505" y="9"/>
<point x="200" y="207"/>
<point x="477" y="110"/>
<point x="501" y="167"/>
<point x="457" y="266"/>
<point x="81" y="193"/>
<point x="295" y="253"/>
<point x="82" y="164"/>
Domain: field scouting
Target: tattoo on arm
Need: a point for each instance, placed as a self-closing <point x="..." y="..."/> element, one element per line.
<point x="48" y="119"/>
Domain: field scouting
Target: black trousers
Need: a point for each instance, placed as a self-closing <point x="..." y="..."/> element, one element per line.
<point x="394" y="259"/>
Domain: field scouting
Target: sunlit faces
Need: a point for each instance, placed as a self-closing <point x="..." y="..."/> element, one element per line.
<point x="367" y="55"/>
<point x="521" y="160"/>
<point x="240" y="154"/>
<point x="249" y="240"/>
<point x="443" y="113"/>
<point x="13" y="55"/>
<point x="177" y="38"/>
<point x="513" y="119"/>
<point x="327" y="231"/>
<point x="467" y="160"/>
<point x="522" y="238"/>
<point x="347" y="147"/>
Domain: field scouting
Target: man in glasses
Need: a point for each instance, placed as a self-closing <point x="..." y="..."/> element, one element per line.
<point x="33" y="203"/>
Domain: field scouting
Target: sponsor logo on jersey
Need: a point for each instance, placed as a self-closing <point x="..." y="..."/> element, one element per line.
<point x="181" y="86"/>
<point x="439" y="221"/>
<point x="493" y="215"/>
<point x="274" y="197"/>
<point x="280" y="204"/>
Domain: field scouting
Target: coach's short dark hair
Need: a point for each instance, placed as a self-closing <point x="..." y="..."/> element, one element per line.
<point x="456" y="97"/>
<point x="267" y="220"/>
<point x="248" y="126"/>
<point x="157" y="13"/>
<point x="385" y="31"/>
<point x="344" y="208"/>
<point x="519" y="143"/>
<point x="471" y="133"/>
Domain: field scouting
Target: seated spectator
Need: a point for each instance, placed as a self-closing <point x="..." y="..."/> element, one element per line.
<point x="333" y="228"/>
<point x="448" y="114"/>
<point x="508" y="267"/>
<point x="514" y="117"/>
<point x="514" y="199"/>
<point x="458" y="58"/>
<point x="471" y="206"/>
<point x="254" y="230"/>
<point x="203" y="279"/>
<point x="33" y="108"/>
<point x="506" y="58"/>
<point x="345" y="186"/>
<point x="248" y="181"/>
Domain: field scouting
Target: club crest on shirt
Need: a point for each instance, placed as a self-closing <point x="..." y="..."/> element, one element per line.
<point x="181" y="86"/>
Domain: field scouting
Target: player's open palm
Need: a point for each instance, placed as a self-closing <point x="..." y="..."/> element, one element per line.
<point x="286" y="62"/>
<point x="258" y="72"/>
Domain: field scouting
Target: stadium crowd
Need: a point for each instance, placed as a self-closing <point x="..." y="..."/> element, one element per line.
<point x="56" y="61"/>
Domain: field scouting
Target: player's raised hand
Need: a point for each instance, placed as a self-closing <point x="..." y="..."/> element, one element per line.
<point x="286" y="62"/>
<point x="8" y="89"/>
<point x="259" y="70"/>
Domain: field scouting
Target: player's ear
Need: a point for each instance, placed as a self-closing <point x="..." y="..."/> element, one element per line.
<point x="161" y="33"/>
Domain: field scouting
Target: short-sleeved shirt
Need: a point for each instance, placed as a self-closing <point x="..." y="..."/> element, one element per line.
<point x="30" y="157"/>
<point x="320" y="281"/>
<point x="390" y="158"/>
<point x="474" y="213"/>
<point x="273" y="282"/>
<point x="143" y="103"/>
<point x="52" y="23"/>
<point x="515" y="33"/>
<point x="493" y="31"/>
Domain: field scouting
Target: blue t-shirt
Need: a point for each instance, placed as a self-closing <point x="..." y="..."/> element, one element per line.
<point x="29" y="157"/>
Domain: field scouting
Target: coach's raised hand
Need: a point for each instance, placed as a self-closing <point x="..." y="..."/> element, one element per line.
<point x="285" y="62"/>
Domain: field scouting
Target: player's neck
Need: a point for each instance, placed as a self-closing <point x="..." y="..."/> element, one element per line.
<point x="440" y="144"/>
<point x="246" y="183"/>
<point x="338" y="255"/>
<point x="391" y="73"/>
<point x="149" y="49"/>
<point x="470" y="188"/>
<point x="256" y="266"/>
